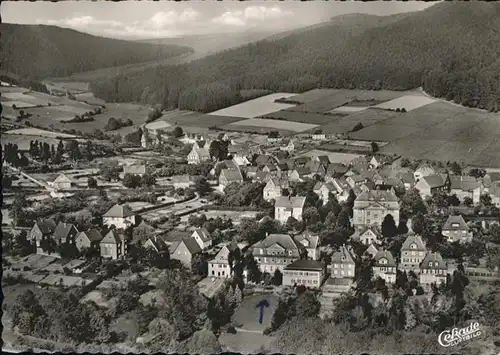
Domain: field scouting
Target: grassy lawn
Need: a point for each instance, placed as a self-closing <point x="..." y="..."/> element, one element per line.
<point x="247" y="315"/>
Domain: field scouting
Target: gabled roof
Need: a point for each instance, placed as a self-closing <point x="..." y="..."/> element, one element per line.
<point x="465" y="183"/>
<point x="191" y="245"/>
<point x="425" y="169"/>
<point x="92" y="234"/>
<point x="203" y="234"/>
<point x="312" y="241"/>
<point x="284" y="240"/>
<point x="337" y="169"/>
<point x="377" y="195"/>
<point x="63" y="230"/>
<point x="290" y="202"/>
<point x="119" y="211"/>
<point x="328" y="185"/>
<point x="373" y="229"/>
<point x="111" y="238"/>
<point x="46" y="226"/>
<point x="323" y="159"/>
<point x="157" y="243"/>
<point x="232" y="175"/>
<point x="305" y="264"/>
<point x="62" y="178"/>
<point x="262" y="176"/>
<point x="371" y="250"/>
<point x="263" y="159"/>
<point x="384" y="254"/>
<point x="435" y="180"/>
<point x="343" y="255"/>
<point x="414" y="239"/>
<point x="433" y="260"/>
<point x="455" y="223"/>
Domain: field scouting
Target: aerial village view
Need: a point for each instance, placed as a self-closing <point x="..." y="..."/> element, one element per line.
<point x="316" y="220"/>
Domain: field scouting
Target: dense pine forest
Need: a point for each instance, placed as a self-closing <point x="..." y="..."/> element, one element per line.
<point x="38" y="51"/>
<point x="452" y="49"/>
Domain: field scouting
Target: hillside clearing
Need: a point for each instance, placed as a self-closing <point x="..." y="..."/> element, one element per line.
<point x="256" y="107"/>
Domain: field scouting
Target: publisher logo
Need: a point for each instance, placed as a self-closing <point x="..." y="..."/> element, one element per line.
<point x="457" y="335"/>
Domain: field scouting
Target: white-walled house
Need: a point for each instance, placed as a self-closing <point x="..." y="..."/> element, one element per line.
<point x="202" y="237"/>
<point x="385" y="266"/>
<point x="120" y="216"/>
<point x="219" y="266"/>
<point x="286" y="207"/>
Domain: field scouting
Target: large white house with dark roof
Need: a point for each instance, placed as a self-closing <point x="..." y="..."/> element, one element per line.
<point x="276" y="251"/>
<point x="371" y="207"/>
<point x="120" y="216"/>
<point x="286" y="207"/>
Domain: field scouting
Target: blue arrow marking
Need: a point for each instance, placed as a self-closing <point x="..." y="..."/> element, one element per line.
<point x="261" y="305"/>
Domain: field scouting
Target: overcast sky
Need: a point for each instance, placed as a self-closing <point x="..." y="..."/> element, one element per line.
<point x="134" y="19"/>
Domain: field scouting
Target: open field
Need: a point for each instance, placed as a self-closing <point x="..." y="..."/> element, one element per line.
<point x="196" y="119"/>
<point x="31" y="99"/>
<point x="408" y="102"/>
<point x="17" y="104"/>
<point x="333" y="156"/>
<point x="256" y="107"/>
<point x="348" y="109"/>
<point x="439" y="131"/>
<point x="303" y="117"/>
<point x="258" y="130"/>
<point x="275" y="124"/>
<point x="323" y="100"/>
<point x="39" y="132"/>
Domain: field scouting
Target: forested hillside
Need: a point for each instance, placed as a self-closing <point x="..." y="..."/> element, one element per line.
<point x="38" y="51"/>
<point x="452" y="49"/>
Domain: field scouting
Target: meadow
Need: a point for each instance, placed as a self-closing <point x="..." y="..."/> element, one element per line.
<point x="303" y="117"/>
<point x="256" y="107"/>
<point x="323" y="100"/>
<point x="274" y="124"/>
<point x="408" y="102"/>
<point x="196" y="119"/>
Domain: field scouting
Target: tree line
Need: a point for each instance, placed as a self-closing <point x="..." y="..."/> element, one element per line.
<point x="426" y="48"/>
<point x="61" y="52"/>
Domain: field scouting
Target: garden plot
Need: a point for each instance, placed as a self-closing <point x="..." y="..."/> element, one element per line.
<point x="34" y="261"/>
<point x="408" y="102"/>
<point x="275" y="124"/>
<point x="256" y="107"/>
